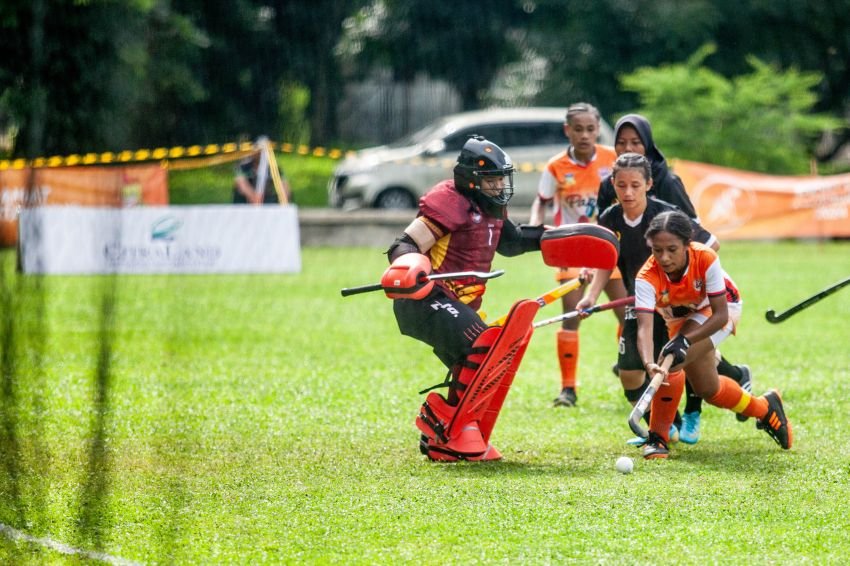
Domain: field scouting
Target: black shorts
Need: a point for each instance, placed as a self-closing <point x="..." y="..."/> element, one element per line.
<point x="447" y="325"/>
<point x="629" y="357"/>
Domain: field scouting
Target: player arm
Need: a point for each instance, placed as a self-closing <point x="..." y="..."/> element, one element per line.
<point x="715" y="287"/>
<point x="645" y="313"/>
<point x="246" y="188"/>
<point x="703" y="236"/>
<point x="597" y="285"/>
<point x="545" y="194"/>
<point x="419" y="236"/>
<point x="518" y="239"/>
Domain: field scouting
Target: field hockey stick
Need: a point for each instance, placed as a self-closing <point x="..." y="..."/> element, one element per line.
<point x="639" y="410"/>
<point x="774" y="318"/>
<point x="433" y="277"/>
<point x="549" y="297"/>
<point x="597" y="308"/>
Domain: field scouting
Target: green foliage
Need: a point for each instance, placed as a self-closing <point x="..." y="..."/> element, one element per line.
<point x="264" y="420"/>
<point x="294" y="101"/>
<point x="458" y="41"/>
<point x="761" y="121"/>
<point x="308" y="176"/>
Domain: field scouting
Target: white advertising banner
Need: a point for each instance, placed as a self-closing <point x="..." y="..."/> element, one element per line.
<point x="167" y="239"/>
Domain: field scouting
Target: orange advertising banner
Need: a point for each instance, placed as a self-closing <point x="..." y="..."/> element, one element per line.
<point x="118" y="186"/>
<point x="740" y="205"/>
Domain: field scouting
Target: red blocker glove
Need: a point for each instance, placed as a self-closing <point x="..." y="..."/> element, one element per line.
<point x="407" y="277"/>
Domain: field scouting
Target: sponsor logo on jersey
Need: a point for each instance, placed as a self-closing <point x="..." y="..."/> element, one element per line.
<point x="476" y="217"/>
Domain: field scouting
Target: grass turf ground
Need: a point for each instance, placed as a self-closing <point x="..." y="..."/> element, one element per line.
<point x="265" y="419"/>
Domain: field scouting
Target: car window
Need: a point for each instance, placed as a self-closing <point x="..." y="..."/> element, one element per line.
<point x="511" y="135"/>
<point x="534" y="133"/>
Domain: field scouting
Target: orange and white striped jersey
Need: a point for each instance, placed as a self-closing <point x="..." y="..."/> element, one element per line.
<point x="703" y="278"/>
<point x="574" y="186"/>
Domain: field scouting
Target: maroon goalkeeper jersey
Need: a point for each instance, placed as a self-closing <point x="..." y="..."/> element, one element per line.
<point x="466" y="236"/>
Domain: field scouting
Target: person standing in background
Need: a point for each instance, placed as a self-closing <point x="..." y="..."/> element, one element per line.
<point x="255" y="172"/>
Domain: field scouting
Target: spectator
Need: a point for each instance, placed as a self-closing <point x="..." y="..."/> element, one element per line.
<point x="255" y="171"/>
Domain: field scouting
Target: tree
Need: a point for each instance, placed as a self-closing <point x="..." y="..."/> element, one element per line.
<point x="62" y="81"/>
<point x="589" y="44"/>
<point x="465" y="43"/>
<point x="760" y="121"/>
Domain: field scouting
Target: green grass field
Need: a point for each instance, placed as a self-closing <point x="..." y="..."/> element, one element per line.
<point x="265" y="419"/>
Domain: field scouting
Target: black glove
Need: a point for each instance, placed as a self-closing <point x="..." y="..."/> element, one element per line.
<point x="677" y="347"/>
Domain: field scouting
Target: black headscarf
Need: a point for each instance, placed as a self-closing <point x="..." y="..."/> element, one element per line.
<point x="665" y="185"/>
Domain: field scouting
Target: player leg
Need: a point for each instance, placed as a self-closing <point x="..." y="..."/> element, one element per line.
<point x="567" y="342"/>
<point x="689" y="434"/>
<point x="693" y="405"/>
<point x="451" y="328"/>
<point x="483" y="398"/>
<point x="740" y="373"/>
<point x="663" y="410"/>
<point x="632" y="374"/>
<point x="615" y="289"/>
<point x="462" y="430"/>
<point x="726" y="393"/>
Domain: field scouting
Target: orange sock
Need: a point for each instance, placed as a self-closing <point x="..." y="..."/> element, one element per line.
<point x="731" y="396"/>
<point x="568" y="356"/>
<point x="665" y="403"/>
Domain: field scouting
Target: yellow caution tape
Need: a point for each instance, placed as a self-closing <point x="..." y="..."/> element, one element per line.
<point x="228" y="151"/>
<point x="193" y="156"/>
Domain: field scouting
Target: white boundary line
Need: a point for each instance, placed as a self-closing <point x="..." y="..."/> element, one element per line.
<point x="16" y="535"/>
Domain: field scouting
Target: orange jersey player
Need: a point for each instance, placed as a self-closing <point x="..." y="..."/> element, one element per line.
<point x="685" y="283"/>
<point x="569" y="186"/>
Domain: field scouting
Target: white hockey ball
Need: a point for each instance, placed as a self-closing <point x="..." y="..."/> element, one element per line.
<point x="624" y="465"/>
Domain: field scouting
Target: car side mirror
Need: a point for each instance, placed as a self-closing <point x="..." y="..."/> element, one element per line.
<point x="434" y="147"/>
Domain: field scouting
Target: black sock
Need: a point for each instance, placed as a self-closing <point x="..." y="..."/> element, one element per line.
<point x="727" y="369"/>
<point x="693" y="402"/>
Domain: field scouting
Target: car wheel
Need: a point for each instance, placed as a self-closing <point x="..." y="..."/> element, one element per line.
<point x="395" y="198"/>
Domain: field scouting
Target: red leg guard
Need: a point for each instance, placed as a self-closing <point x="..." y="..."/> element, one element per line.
<point x="463" y="431"/>
<point x="485" y="395"/>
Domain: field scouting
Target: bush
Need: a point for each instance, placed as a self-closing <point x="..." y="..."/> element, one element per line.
<point x="760" y="121"/>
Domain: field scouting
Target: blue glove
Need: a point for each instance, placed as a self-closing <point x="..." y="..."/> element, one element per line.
<point x="677" y="347"/>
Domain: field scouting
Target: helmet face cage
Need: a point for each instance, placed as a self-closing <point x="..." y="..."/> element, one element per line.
<point x="507" y="191"/>
<point x="478" y="159"/>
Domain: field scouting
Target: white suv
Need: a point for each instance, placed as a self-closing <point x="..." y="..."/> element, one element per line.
<point x="396" y="175"/>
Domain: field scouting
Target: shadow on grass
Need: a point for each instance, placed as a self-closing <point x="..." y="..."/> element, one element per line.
<point x="23" y="456"/>
<point x="746" y="459"/>
<point x="93" y="522"/>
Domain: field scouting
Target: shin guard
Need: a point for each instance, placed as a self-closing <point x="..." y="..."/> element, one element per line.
<point x="464" y="430"/>
<point x="482" y="401"/>
<point x="666" y="403"/>
<point x="567" y="343"/>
